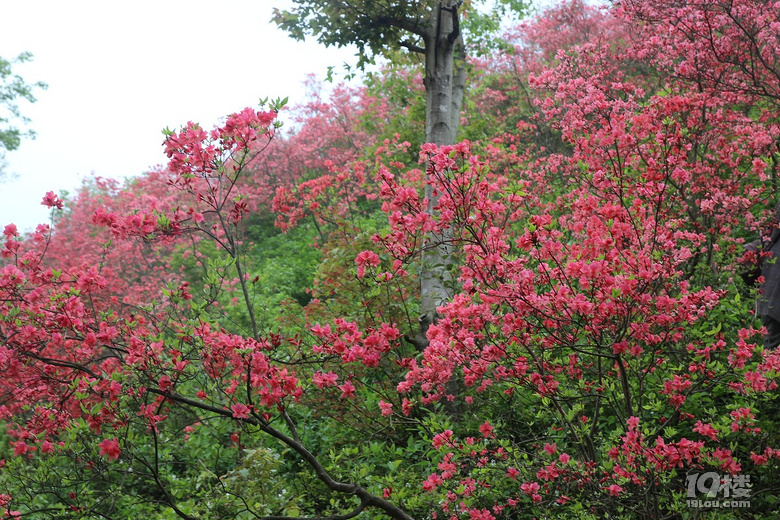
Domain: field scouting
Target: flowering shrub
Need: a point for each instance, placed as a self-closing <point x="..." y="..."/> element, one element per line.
<point x="596" y="347"/>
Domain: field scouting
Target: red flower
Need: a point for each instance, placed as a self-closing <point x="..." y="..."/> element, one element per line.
<point x="240" y="411"/>
<point x="366" y="258"/>
<point x="20" y="448"/>
<point x="323" y="380"/>
<point x="51" y="200"/>
<point x="10" y="230"/>
<point x="444" y="438"/>
<point x="530" y="488"/>
<point x="387" y="408"/>
<point x="110" y="448"/>
<point x="347" y="390"/>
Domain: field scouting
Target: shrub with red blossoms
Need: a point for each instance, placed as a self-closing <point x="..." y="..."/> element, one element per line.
<point x="595" y="349"/>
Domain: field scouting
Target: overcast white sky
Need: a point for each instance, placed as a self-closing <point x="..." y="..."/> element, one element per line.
<point x="119" y="72"/>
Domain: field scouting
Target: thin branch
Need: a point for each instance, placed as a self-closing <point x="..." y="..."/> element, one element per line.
<point x="62" y="363"/>
<point x="256" y="420"/>
<point x="412" y="47"/>
<point x="290" y="424"/>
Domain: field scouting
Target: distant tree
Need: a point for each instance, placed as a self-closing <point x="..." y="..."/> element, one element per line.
<point x="432" y="28"/>
<point x="13" y="88"/>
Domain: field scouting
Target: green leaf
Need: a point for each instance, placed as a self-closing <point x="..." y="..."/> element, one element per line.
<point x="714" y="331"/>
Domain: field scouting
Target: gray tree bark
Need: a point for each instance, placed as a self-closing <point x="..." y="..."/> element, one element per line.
<point x="445" y="79"/>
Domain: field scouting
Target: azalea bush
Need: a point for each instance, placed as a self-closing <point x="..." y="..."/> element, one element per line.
<point x="597" y="348"/>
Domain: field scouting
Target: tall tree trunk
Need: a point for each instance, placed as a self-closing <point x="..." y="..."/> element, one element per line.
<point x="445" y="79"/>
<point x="443" y="41"/>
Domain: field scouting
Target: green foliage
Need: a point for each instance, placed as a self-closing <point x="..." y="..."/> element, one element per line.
<point x="404" y="116"/>
<point x="385" y="27"/>
<point x="373" y="26"/>
<point x="481" y="26"/>
<point x="282" y="263"/>
<point x="12" y="89"/>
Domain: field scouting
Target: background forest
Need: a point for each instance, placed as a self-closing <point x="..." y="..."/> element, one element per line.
<point x="530" y="309"/>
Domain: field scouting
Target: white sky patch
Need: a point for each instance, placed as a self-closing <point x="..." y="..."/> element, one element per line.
<point x="119" y="72"/>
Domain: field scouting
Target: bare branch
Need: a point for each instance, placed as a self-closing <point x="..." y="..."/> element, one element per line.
<point x="407" y="44"/>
